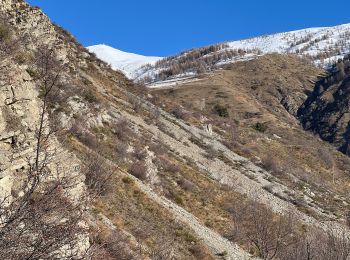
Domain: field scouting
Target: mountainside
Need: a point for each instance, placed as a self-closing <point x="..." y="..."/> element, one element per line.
<point x="95" y="166"/>
<point x="326" y="111"/>
<point x="324" y="46"/>
<point x="128" y="63"/>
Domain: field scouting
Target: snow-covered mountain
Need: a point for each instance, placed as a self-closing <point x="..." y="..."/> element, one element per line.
<point x="324" y="46"/>
<point x="126" y="62"/>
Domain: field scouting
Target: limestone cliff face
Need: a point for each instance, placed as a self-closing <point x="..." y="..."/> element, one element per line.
<point x="37" y="30"/>
<point x="19" y="115"/>
<point x="19" y="102"/>
<point x="26" y="18"/>
<point x="20" y="107"/>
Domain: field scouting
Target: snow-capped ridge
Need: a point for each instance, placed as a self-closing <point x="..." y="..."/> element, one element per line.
<point x="126" y="62"/>
<point x="323" y="45"/>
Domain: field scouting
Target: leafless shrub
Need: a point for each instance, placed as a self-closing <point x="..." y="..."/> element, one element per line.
<point x="140" y="154"/>
<point x="211" y="152"/>
<point x="171" y="167"/>
<point x="110" y="245"/>
<point x="135" y="102"/>
<point x="167" y="165"/>
<point x="335" y="245"/>
<point x="347" y="218"/>
<point x="123" y="130"/>
<point x="270" y="164"/>
<point x="89" y="139"/>
<point x="77" y="128"/>
<point x="186" y="184"/>
<point x="40" y="224"/>
<point x="122" y="149"/>
<point x="138" y="169"/>
<point x="12" y="121"/>
<point x="199" y="252"/>
<point x="180" y="113"/>
<point x="317" y="244"/>
<point x="97" y="175"/>
<point x="155" y="114"/>
<point x="266" y="234"/>
<point x="159" y="148"/>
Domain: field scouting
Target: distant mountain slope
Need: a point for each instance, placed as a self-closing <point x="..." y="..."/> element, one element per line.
<point x="324" y="46"/>
<point x="327" y="110"/>
<point x="126" y="62"/>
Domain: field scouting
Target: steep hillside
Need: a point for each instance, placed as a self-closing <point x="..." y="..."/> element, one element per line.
<point x="162" y="174"/>
<point x="252" y="105"/>
<point x="98" y="121"/>
<point x="326" y="111"/>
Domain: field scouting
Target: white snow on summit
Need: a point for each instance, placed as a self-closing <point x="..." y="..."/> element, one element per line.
<point x="128" y="63"/>
<point x="324" y="46"/>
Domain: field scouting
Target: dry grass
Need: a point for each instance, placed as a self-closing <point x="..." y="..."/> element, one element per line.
<point x="252" y="92"/>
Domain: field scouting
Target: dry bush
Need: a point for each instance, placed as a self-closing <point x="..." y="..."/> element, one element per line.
<point x="159" y="148"/>
<point x="180" y="113"/>
<point x="326" y="157"/>
<point x="220" y="110"/>
<point x="135" y="103"/>
<point x="5" y="32"/>
<point x="271" y="236"/>
<point x="140" y="154"/>
<point x="77" y="128"/>
<point x="167" y="165"/>
<point x="89" y="140"/>
<point x="122" y="129"/>
<point x="89" y="96"/>
<point x="186" y="184"/>
<point x="139" y="170"/>
<point x="110" y="245"/>
<point x="97" y="175"/>
<point x="255" y="225"/>
<point x="271" y="165"/>
<point x="39" y="224"/>
<point x="171" y="167"/>
<point x="9" y="45"/>
<point x="317" y="244"/>
<point x="122" y="149"/>
<point x="211" y="152"/>
<point x="200" y="252"/>
<point x="172" y="195"/>
<point x="155" y="114"/>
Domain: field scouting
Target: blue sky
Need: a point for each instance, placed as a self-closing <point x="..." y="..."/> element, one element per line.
<point x="161" y="27"/>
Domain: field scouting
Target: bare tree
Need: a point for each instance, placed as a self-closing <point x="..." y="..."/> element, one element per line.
<point x="41" y="221"/>
<point x="267" y="234"/>
<point x="334" y="245"/>
<point x="97" y="175"/>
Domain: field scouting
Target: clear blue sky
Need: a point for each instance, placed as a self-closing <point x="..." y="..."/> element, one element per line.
<point x="162" y="27"/>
